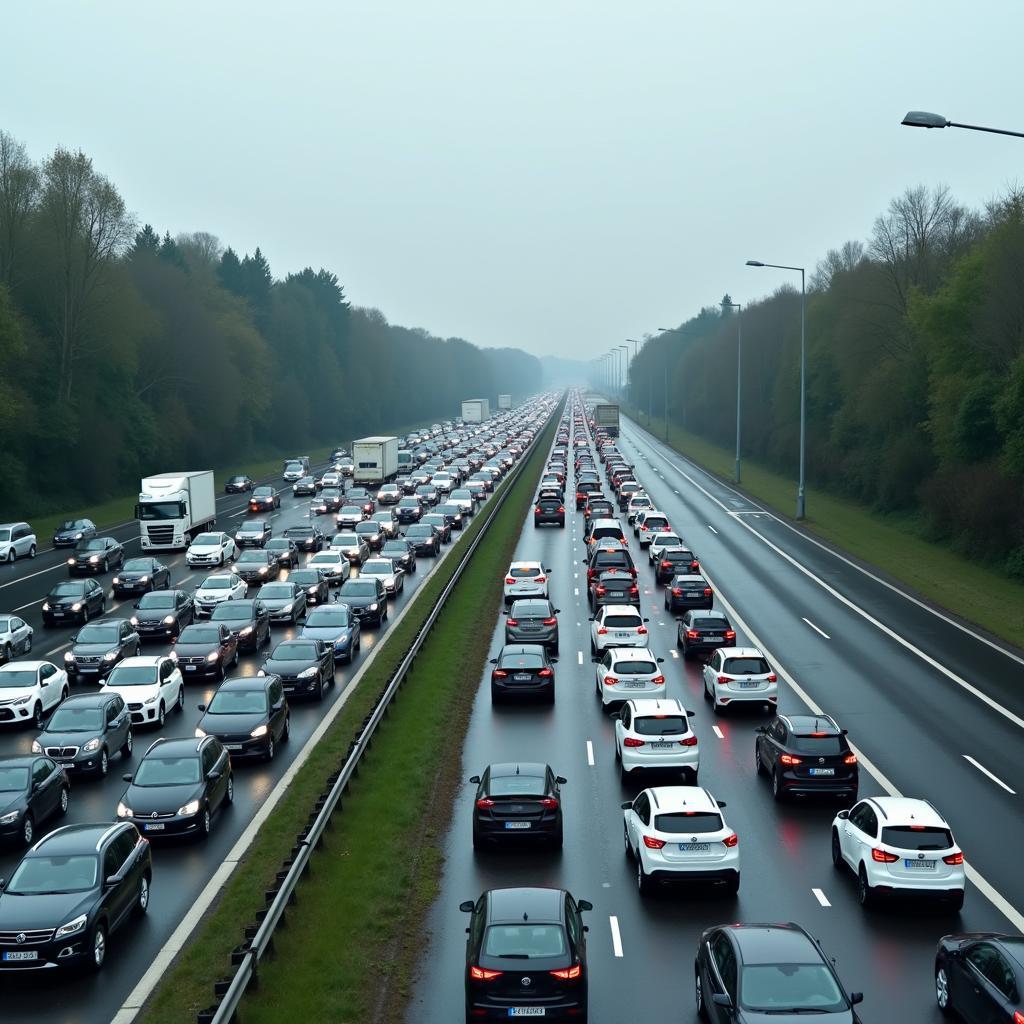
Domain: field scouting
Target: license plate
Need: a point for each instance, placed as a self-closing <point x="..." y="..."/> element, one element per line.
<point x="232" y="746"/>
<point x="623" y="636"/>
<point x="153" y="826"/>
<point x="746" y="684"/>
<point x="190" y="668"/>
<point x="517" y="824"/>
<point x="87" y="668"/>
<point x="527" y="1011"/>
<point x="921" y="865"/>
<point x="635" y="684"/>
<point x="821" y="771"/>
<point x="22" y="954"/>
<point x="522" y="677"/>
<point x="694" y="847"/>
<point x="58" y="615"/>
<point x="712" y="636"/>
<point x="661" y="746"/>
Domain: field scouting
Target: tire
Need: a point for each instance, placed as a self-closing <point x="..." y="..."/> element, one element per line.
<point x="28" y="645"/>
<point x="206" y="826"/>
<point x="85" y="613"/>
<point x="98" y="942"/>
<point x="679" y="643"/>
<point x="221" y="672"/>
<point x="777" y="791"/>
<point x="62" y="804"/>
<point x="318" y="693"/>
<point x="104" y="765"/>
<point x="128" y="746"/>
<point x="556" y="839"/>
<point x="732" y="887"/>
<point x="707" y="692"/>
<point x="229" y="793"/>
<point x="837" y="851"/>
<point x="702" y="1010"/>
<point x="643" y="883"/>
<point x="180" y="704"/>
<point x="286" y="732"/>
<point x="161" y="716"/>
<point x="7" y="653"/>
<point x="142" y="898"/>
<point x="865" y="893"/>
<point x="625" y="843"/>
<point x="234" y="664"/>
<point x="758" y="762"/>
<point x="106" y="565"/>
<point x="28" y="830"/>
<point x="942" y="990"/>
<point x="37" y="716"/>
<point x="32" y="551"/>
<point x="269" y="756"/>
<point x="956" y="902"/>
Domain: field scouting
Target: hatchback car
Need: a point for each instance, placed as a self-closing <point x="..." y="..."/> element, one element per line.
<point x="617" y="625"/>
<point x="249" y="715"/>
<point x="32" y="790"/>
<point x="140" y="576"/>
<point x="702" y="631"/>
<point x="625" y="672"/>
<point x="253" y="533"/>
<point x="523" y="670"/>
<point x="86" y="731"/>
<point x="98" y="647"/>
<point x="981" y="977"/>
<point x="210" y="549"/>
<point x="348" y="516"/>
<point x="249" y="620"/>
<point x="336" y="625"/>
<point x="304" y="666"/>
<point x="656" y="735"/>
<point x="256" y="566"/>
<point x="597" y="530"/>
<point x="366" y="598"/>
<point x="335" y="564"/>
<point x="425" y="539"/>
<point x="607" y="557"/>
<point x="164" y="615"/>
<point x="264" y="499"/>
<point x="677" y="561"/>
<point x="388" y="523"/>
<point x="150" y="686"/>
<point x="519" y="801"/>
<point x="401" y="552"/>
<point x="409" y="510"/>
<point x="100" y="554"/>
<point x="239" y="484"/>
<point x="314" y="583"/>
<point x="304" y="487"/>
<point x="648" y="524"/>
<point x="216" y="590"/>
<point x="685" y="592"/>
<point x="285" y="602"/>
<point x="739" y="675"/>
<point x="306" y="538"/>
<point x="532" y="620"/>
<point x="439" y="523"/>
<point x="371" y="532"/>
<point x="550" y="509"/>
<point x="525" y="579"/>
<point x="390" y="574"/>
<point x="205" y="650"/>
<point x="285" y="550"/>
<point x="71" y="531"/>
<point x="660" y="542"/>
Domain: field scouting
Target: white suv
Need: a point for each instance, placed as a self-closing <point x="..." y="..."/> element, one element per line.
<point x="210" y="549"/>
<point x="28" y="689"/>
<point x="150" y="686"/>
<point x="660" y="542"/>
<point x="17" y="540"/>
<point x="898" y="843"/>
<point x="617" y="625"/>
<point x="525" y="579"/>
<point x="656" y="734"/>
<point x="678" y="834"/>
<point x="626" y="672"/>
<point x="738" y="675"/>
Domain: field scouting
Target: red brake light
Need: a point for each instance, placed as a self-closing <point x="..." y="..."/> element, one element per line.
<point x="731" y="841"/>
<point x="634" y="589"/>
<point x="551" y="622"/>
<point x="549" y="803"/>
<point x="730" y="634"/>
<point x="883" y="857"/>
<point x="610" y="680"/>
<point x="641" y="630"/>
<point x="677" y="592"/>
<point x="601" y="591"/>
<point x="722" y="680"/>
<point x="631" y="741"/>
<point x="707" y="591"/>
<point x="510" y="579"/>
<point x="536" y="511"/>
<point x="561" y="508"/>
<point x="790" y="759"/>
<point x="513" y="622"/>
<point x="954" y="858"/>
<point x="482" y="974"/>
<point x="688" y="741"/>
<point x="652" y="843"/>
<point x="545" y="673"/>
<point x="601" y="631"/>
<point x="1018" y="1017"/>
<point x="692" y="634"/>
<point x="850" y="759"/>
<point x="568" y="973"/>
<point x="500" y="673"/>
<point x="772" y="677"/>
<point x="695" y="565"/>
<point x="484" y="803"/>
<point x="658" y="680"/>
<point x="644" y="529"/>
<point x="666" y="564"/>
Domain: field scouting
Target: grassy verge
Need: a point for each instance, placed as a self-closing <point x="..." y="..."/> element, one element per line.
<point x="970" y="591"/>
<point x="377" y="891"/>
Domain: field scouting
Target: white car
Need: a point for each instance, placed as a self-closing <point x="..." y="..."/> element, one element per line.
<point x="525" y="579"/>
<point x="463" y="497"/>
<point x="334" y="564"/>
<point x="899" y="843"/>
<point x="617" y="625"/>
<point x="17" y="540"/>
<point x="443" y="482"/>
<point x="15" y="637"/>
<point x="332" y="478"/>
<point x="649" y="524"/>
<point x="662" y="542"/>
<point x="28" y="690"/>
<point x="626" y="672"/>
<point x="217" y="589"/>
<point x="737" y="675"/>
<point x="150" y="686"/>
<point x="656" y="734"/>
<point x="391" y="575"/>
<point x="210" y="549"/>
<point x="636" y="503"/>
<point x="679" y="834"/>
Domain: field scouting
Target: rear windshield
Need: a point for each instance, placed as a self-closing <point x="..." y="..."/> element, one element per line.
<point x="678" y="556"/>
<point x="530" y="609"/>
<point x="917" y="837"/>
<point x="695" y="822"/>
<point x="707" y="622"/>
<point x="606" y="531"/>
<point x="829" y="744"/>
<point x="655" y="521"/>
<point x="623" y="621"/>
<point x="660" y="725"/>
<point x="519" y="573"/>
<point x="516" y="785"/>
<point x="746" y="666"/>
<point x="524" y="941"/>
<point x="634" y="668"/>
<point x="522" y="661"/>
<point x="617" y="558"/>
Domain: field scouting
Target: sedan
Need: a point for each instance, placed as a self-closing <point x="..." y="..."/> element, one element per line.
<point x="425" y="539"/>
<point x="304" y="487"/>
<point x="32" y="789"/>
<point x="304" y="666"/>
<point x="306" y="538"/>
<point x="141" y="575"/>
<point x="71" y="531"/>
<point x="256" y="566"/>
<point x="239" y="485"/>
<point x="703" y="631"/>
<point x="205" y="650"/>
<point x="409" y="510"/>
<point x="285" y="550"/>
<point x="85" y="731"/>
<point x="980" y="977"/>
<point x="532" y="620"/>
<point x="370" y="532"/>
<point x="217" y="589"/>
<point x="214" y="549"/>
<point x="249" y="715"/>
<point x="334" y="564"/>
<point x="515" y="802"/>
<point x="438" y="521"/>
<point x="523" y="670"/>
<point x="366" y="599"/>
<point x="336" y="625"/>
<point x="612" y="588"/>
<point x="264" y="499"/>
<point x="286" y="602"/>
<point x="389" y="494"/>
<point x="401" y="552"/>
<point x="253" y="533"/>
<point x="248" y="620"/>
<point x="348" y="517"/>
<point x="453" y="514"/>
<point x="98" y="647"/>
<point x="314" y="583"/>
<point x="28" y="690"/>
<point x="100" y="554"/>
<point x="525" y="579"/>
<point x="362" y="497"/>
<point x="15" y="637"/>
<point x="387" y="572"/>
<point x="73" y="600"/>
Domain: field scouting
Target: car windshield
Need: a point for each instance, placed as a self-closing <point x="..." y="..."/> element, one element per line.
<point x="409" y="503"/>
<point x="276" y="590"/>
<point x="97" y="634"/>
<point x="278" y="544"/>
<point x="351" y="510"/>
<point x="526" y="572"/>
<point x="516" y="785"/>
<point x="679" y="822"/>
<point x="218" y="583"/>
<point x="660" y="725"/>
<point x="132" y="675"/>
<point x="518" y="661"/>
<point x="16" y="678"/>
<point x="324" y="558"/>
<point x="138" y="565"/>
<point x="257" y="555"/>
<point x="68" y="718"/>
<point x="320" y="618"/>
<point x="710" y="622"/>
<point x="13" y="780"/>
<point x="381" y="517"/>
<point x="634" y="667"/>
<point x="294" y="650"/>
<point x="524" y="941"/>
<point x="345" y="540"/>
<point x="232" y="611"/>
<point x="96" y="544"/>
<point x="41" y="874"/>
<point x="377" y="567"/>
<point x="330" y="492"/>
<point x="623" y="621"/>
<point x="306" y="577"/>
<point x="773" y="988"/>
<point x="238" y="702"/>
<point x="167" y="771"/>
<point x="917" y="837"/>
<point x="530" y="610"/>
<point x="5" y="625"/>
<point x="253" y="526"/>
<point x="149" y="510"/>
<point x="355" y="588"/>
<point x="199" y="635"/>
<point x="264" y="492"/>
<point x="299" y="531"/>
<point x="746" y="666"/>
<point x="420" y="531"/>
<point x="68" y="524"/>
<point x="149" y="601"/>
<point x="368" y="527"/>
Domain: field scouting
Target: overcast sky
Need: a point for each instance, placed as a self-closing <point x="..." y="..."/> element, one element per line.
<point x="545" y="174"/>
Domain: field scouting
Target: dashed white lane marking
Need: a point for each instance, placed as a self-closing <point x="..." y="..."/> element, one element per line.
<point x="712" y="529"/>
<point x="718" y="732"/>
<point x="616" y="937"/>
<point x="576" y="591"/>
<point x="590" y="753"/>
<point x="579" y="657"/>
<point x="821" y="897"/>
<point x="675" y="654"/>
<point x="984" y="771"/>
<point x="816" y="628"/>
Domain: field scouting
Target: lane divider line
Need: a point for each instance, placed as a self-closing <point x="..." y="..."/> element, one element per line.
<point x="616" y="937"/>
<point x="984" y="771"/>
<point x="579" y="657"/>
<point x="821" y="897"/>
<point x="712" y="529"/>
<point x="718" y="732"/>
<point x="590" y="753"/>
<point x="816" y="629"/>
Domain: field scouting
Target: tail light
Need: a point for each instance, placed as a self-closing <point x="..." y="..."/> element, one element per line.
<point x="652" y="843"/>
<point x="643" y="529"/>
<point x="634" y="589"/>
<point x="545" y="673"/>
<point x="485" y="803"/>
<point x="722" y="680"/>
<point x="688" y="741"/>
<point x="731" y="840"/>
<point x="883" y="857"/>
<point x="730" y="634"/>
<point x="1018" y="1017"/>
<point x="536" y="511"/>
<point x="658" y="680"/>
<point x="581" y="496"/>
<point x="510" y="579"/>
<point x="601" y="631"/>
<point x="677" y="592"/>
<point x="551" y="622"/>
<point x="666" y="564"/>
<point x="632" y="572"/>
<point x="772" y="677"/>
<point x="695" y="565"/>
<point x="666" y="528"/>
<point x="499" y="673"/>
<point x="549" y="803"/>
<point x="568" y="973"/>
<point x="707" y="591"/>
<point x="483" y="974"/>
<point x="561" y="508"/>
<point x="642" y="630"/>
<point x="850" y="759"/>
<point x="790" y="759"/>
<point x="590" y="574"/>
<point x="631" y="741"/>
<point x="513" y="622"/>
<point x="692" y="634"/>
<point x="953" y="858"/>
<point x="610" y="680"/>
<point x="601" y="591"/>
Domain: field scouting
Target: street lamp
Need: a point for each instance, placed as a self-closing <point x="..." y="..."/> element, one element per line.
<point x="738" y="306"/>
<point x="801" y="497"/>
<point x="622" y="387"/>
<point x="924" y="119"/>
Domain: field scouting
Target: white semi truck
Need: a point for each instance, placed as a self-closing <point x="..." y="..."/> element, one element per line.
<point x="475" y="410"/>
<point x="375" y="460"/>
<point x="173" y="507"/>
<point x="504" y="401"/>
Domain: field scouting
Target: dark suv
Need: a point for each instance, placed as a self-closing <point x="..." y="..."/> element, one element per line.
<point x="685" y="592"/>
<point x="675" y="562"/>
<point x="307" y="538"/>
<point x="164" y="615"/>
<point x="248" y="620"/>
<point x="99" y="554"/>
<point x="549" y="510"/>
<point x="85" y="730"/>
<point x="703" y="631"/>
<point x="805" y="755"/>
<point x="98" y="647"/>
<point x="603" y="557"/>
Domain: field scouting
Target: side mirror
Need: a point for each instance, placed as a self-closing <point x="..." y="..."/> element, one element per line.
<point x="660" y="661"/>
<point x="584" y="905"/>
<point x="691" y="714"/>
<point x="136" y="605"/>
<point x="762" y="729"/>
<point x="546" y="569"/>
<point x="856" y="997"/>
<point x="846" y="732"/>
<point x="590" y="618"/>
<point x="626" y="806"/>
<point x="722" y="999"/>
<point x="112" y="880"/>
<point x="127" y="778"/>
<point x="505" y="612"/>
<point x="467" y="907"/>
<point x="843" y="815"/>
<point x="558" y="611"/>
<point x="3" y="884"/>
<point x="493" y="661"/>
<point x="561" y="780"/>
<point x="475" y="779"/>
<point x="202" y="707"/>
<point x="213" y="775"/>
<point x="647" y="620"/>
<point x="721" y="803"/>
<point x="554" y="661"/>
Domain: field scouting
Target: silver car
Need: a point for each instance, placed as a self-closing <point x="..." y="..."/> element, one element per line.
<point x="532" y="621"/>
<point x="391" y="575"/>
<point x="15" y="637"/>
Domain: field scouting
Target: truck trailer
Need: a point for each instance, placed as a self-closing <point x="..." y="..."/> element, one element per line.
<point x="375" y="460"/>
<point x="504" y="401"/>
<point x="606" y="417"/>
<point x="174" y="507"/>
<point x="475" y="410"/>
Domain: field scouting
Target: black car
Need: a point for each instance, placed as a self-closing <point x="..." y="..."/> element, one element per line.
<point x="807" y="755"/>
<point x="85" y="731"/>
<point x="305" y="666"/>
<point x="306" y="538"/>
<point x="409" y="510"/>
<point x="526" y="951"/>
<point x="348" y="517"/>
<point x="363" y="498"/>
<point x="32" y="789"/>
<point x="436" y="520"/>
<point x="98" y="647"/>
<point x="178" y="787"/>
<point x="285" y="550"/>
<point x="757" y="972"/>
<point x="248" y="619"/>
<point x="599" y="508"/>
<point x="73" y="600"/>
<point x="249" y="715"/>
<point x="517" y="801"/>
<point x="71" y="531"/>
<point x="205" y="649"/>
<point x="314" y="583"/>
<point x="99" y="554"/>
<point x="703" y="631"/>
<point x="286" y="602"/>
<point x="980" y="977"/>
<point x="427" y="493"/>
<point x="141" y="575"/>
<point x="584" y="489"/>
<point x="304" y="486"/>
<point x="367" y="599"/>
<point x="452" y="513"/>
<point x="330" y="499"/>
<point x="425" y="539"/>
<point x="163" y="616"/>
<point x="605" y="556"/>
<point x="523" y="670"/>
<point x="549" y="510"/>
<point x="70" y="893"/>
<point x="613" y="587"/>
<point x="371" y="532"/>
<point x="684" y="592"/>
<point x="239" y="485"/>
<point x="264" y="499"/>
<point x="401" y="552"/>
<point x="255" y="566"/>
<point x="532" y="620"/>
<point x="675" y="562"/>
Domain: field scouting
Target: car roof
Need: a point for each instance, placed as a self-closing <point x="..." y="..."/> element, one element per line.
<point x="176" y="747"/>
<point x="597" y="524"/>
<point x="250" y="682"/>
<point x="900" y="810"/>
<point x="85" y="837"/>
<point x="535" y="903"/>
<point x="654" y="708"/>
<point x="621" y="609"/>
<point x="94" y="700"/>
<point x="668" y="799"/>
<point x="774" y="943"/>
<point x="808" y="723"/>
<point x="507" y="768"/>
<point x="707" y="613"/>
<point x="13" y="666"/>
<point x="625" y="653"/>
<point x="19" y="760"/>
<point x="525" y="565"/>
<point x="754" y="652"/>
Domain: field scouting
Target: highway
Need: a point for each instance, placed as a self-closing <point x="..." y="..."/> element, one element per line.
<point x="918" y="695"/>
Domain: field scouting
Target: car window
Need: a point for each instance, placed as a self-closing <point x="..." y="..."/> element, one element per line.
<point x="524" y="941"/>
<point x="660" y="725"/>
<point x="642" y="808"/>
<point x="991" y="965"/>
<point x="697" y="822"/>
<point x="209" y="758"/>
<point x="917" y="837"/>
<point x="864" y="818"/>
<point x="111" y="711"/>
<point x="123" y="846"/>
<point x="725" y="961"/>
<point x="111" y="863"/>
<point x="41" y="772"/>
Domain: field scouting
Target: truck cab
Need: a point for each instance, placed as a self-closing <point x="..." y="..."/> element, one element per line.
<point x="173" y="507"/>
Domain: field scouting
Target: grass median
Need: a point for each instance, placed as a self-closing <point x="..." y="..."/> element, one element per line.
<point x="350" y="880"/>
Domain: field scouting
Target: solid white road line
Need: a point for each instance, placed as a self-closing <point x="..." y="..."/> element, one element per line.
<point x="718" y="732"/>
<point x="21" y="607"/>
<point x="56" y="649"/>
<point x="590" y="753"/>
<point x="984" y="771"/>
<point x="616" y="937"/>
<point x="821" y="897"/>
<point x="816" y="629"/>
<point x="712" y="529"/>
<point x="579" y="657"/>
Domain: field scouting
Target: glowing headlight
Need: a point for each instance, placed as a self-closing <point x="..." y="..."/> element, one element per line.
<point x="134" y="620"/>
<point x="9" y="819"/>
<point x="71" y="561"/>
<point x="68" y="657"/>
<point x="71" y="927"/>
<point x="307" y="672"/>
<point x="94" y="558"/>
<point x="246" y="631"/>
<point x="199" y="733"/>
<point x="46" y="606"/>
<point x="260" y="730"/>
<point x="77" y="606"/>
<point x="286" y="609"/>
<point x="373" y="607"/>
<point x="173" y="655"/>
<point x="110" y="656"/>
<point x="123" y="811"/>
<point x="93" y="744"/>
<point x="116" y="580"/>
<point x="143" y="579"/>
<point x="37" y="747"/>
<point x="192" y="807"/>
<point x="213" y="656"/>
<point x="168" y="620"/>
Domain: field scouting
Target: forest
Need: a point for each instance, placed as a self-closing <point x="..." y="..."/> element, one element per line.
<point x="915" y="372"/>
<point x="126" y="351"/>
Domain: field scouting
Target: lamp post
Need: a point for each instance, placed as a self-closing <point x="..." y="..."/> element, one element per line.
<point x="634" y="343"/>
<point x="801" y="496"/>
<point x="625" y="381"/>
<point x="738" y="306"/>
<point x="924" y="119"/>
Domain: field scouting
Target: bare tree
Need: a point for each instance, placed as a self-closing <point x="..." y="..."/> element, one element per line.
<point x="91" y="228"/>
<point x="19" y="189"/>
<point x="836" y="261"/>
<point x="200" y="246"/>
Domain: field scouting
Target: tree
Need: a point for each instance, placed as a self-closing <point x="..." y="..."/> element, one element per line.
<point x="147" y="242"/>
<point x="229" y="273"/>
<point x="170" y="253"/>
<point x="19" y="190"/>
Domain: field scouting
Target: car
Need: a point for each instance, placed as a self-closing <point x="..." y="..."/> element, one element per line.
<point x="612" y="588"/>
<point x="305" y="486"/>
<point x="99" y="554"/>
<point x="739" y="675"/>
<point x="314" y="583"/>
<point x="625" y="490"/>
<point x="336" y="625"/>
<point x="655" y="735"/>
<point x="178" y="787"/>
<point x="210" y="549"/>
<point x="523" y="670"/>
<point x="806" y="755"/>
<point x="584" y="489"/>
<point x="472" y="494"/>
<point x="389" y="494"/>
<point x="443" y="482"/>
<point x="387" y="521"/>
<point x="348" y="517"/>
<point x="648" y="524"/>
<point x="519" y="801"/>
<point x="361" y="496"/>
<point x="679" y="834"/>
<point x="366" y="599"/>
<point x="598" y="507"/>
<point x="453" y="515"/>
<point x="85" y="731"/>
<point x="401" y="552"/>
<point x="151" y="685"/>
<point x="248" y="619"/>
<point x="253" y="533"/>
<point x="525" y="579"/>
<point x="217" y="589"/>
<point x="390" y="574"/>
<point x="746" y="973"/>
<point x="98" y="647"/>
<point x="32" y="789"/>
<point x="305" y="666"/>
<point x="73" y="599"/>
<point x="15" y="637"/>
<point x="549" y="510"/>
<point x="352" y="546"/>
<point x="264" y="499"/>
<point x="256" y="566"/>
<point x="625" y="672"/>
<point x="330" y="478"/>
<point x="17" y="540"/>
<point x="532" y="620"/>
<point x="980" y="977"/>
<point x="409" y="510"/>
<point x="334" y="564"/>
<point x="677" y="561"/>
<point x="899" y="845"/>
<point x="241" y="484"/>
<point x="140" y="576"/>
<point x="638" y="502"/>
<point x="686" y="591"/>
<point x="370" y="532"/>
<point x="285" y="601"/>
<point x="661" y="542"/>
<point x="205" y="649"/>
<point x="71" y="531"/>
<point x="249" y="715"/>
<point x="526" y="952"/>
<point x="73" y="889"/>
<point x="345" y="466"/>
<point x="699" y="632"/>
<point x="307" y="538"/>
<point x="606" y="556"/>
<point x="617" y="625"/>
<point x="29" y="690"/>
<point x="425" y="539"/>
<point x="285" y="550"/>
<point x="597" y="530"/>
<point x="330" y="499"/>
<point x="438" y="521"/>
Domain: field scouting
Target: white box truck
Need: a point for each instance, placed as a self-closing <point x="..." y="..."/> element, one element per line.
<point x="504" y="401"/>
<point x="174" y="507"/>
<point x="475" y="410"/>
<point x="606" y="417"/>
<point x="375" y="460"/>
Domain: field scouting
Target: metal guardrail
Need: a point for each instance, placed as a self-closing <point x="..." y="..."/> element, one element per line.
<point x="247" y="957"/>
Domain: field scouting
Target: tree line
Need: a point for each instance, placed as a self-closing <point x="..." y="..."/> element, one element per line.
<point x="126" y="352"/>
<point x="915" y="372"/>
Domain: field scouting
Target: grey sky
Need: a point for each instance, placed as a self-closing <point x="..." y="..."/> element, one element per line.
<point x="551" y="175"/>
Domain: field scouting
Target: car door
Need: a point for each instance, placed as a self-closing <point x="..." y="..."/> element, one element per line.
<point x="20" y="633"/>
<point x="168" y="684"/>
<point x="278" y="708"/>
<point x="94" y="594"/>
<point x="711" y="670"/>
<point x="122" y="850"/>
<point x="42" y="797"/>
<point x="987" y="984"/>
<point x="774" y="739"/>
<point x="858" y="832"/>
<point x="622" y="725"/>
<point x="722" y="976"/>
<point x="118" y="723"/>
<point x="217" y="757"/>
<point x="639" y="816"/>
<point x="129" y="639"/>
<point x="49" y="688"/>
<point x="184" y="609"/>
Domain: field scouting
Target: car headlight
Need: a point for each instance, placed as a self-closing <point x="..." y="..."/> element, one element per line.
<point x="9" y="819"/>
<point x="78" y="536"/>
<point x="123" y="810"/>
<point x="94" y="558"/>
<point x="77" y="606"/>
<point x="287" y="608"/>
<point x="261" y="672"/>
<point x="192" y="807"/>
<point x="246" y="631"/>
<point x="264" y="570"/>
<point x="110" y="656"/>
<point x="311" y="590"/>
<point x="46" y="606"/>
<point x="143" y="579"/>
<point x="307" y="672"/>
<point x="212" y="656"/>
<point x="260" y="730"/>
<point x="168" y="620"/>
<point x="373" y="607"/>
<point x="23" y="700"/>
<point x="68" y="657"/>
<point x="37" y="747"/>
<point x="71" y="561"/>
<point x="93" y="744"/>
<point x="72" y="926"/>
<point x="200" y="733"/>
<point x="173" y="655"/>
<point x="151" y="700"/>
<point x="116" y="580"/>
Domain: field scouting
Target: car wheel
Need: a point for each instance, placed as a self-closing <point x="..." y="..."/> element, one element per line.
<point x="556" y="839"/>
<point x="319" y="691"/>
<point x="103" y="605"/>
<point x="180" y="704"/>
<point x="28" y="830"/>
<point x="99" y="947"/>
<point x="942" y="989"/>
<point x="85" y="613"/>
<point x="643" y="882"/>
<point x="837" y="851"/>
<point x="679" y="643"/>
<point x="161" y="717"/>
<point x="777" y="791"/>
<point x="37" y="716"/>
<point x="7" y="653"/>
<point x="865" y="892"/>
<point x="142" y="897"/>
<point x="32" y="551"/>
<point x="104" y="765"/>
<point x="235" y="662"/>
<point x="205" y="826"/>
<point x="286" y="732"/>
<point x="270" y="745"/>
<point x="222" y="672"/>
<point x="62" y="803"/>
<point x="128" y="746"/>
<point x="106" y="565"/>
<point x="702" y="1010"/>
<point x="229" y="793"/>
<point x="28" y="645"/>
<point x="956" y="902"/>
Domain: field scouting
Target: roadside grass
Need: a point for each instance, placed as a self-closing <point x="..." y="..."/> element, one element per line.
<point x="377" y="891"/>
<point x="970" y="591"/>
